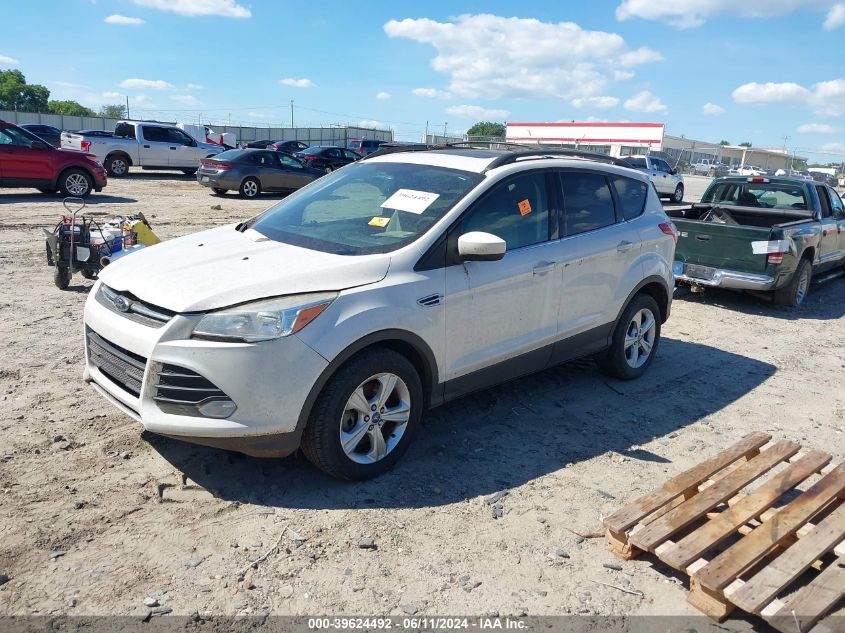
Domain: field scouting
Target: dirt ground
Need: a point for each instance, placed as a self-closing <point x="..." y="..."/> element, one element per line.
<point x="96" y="516"/>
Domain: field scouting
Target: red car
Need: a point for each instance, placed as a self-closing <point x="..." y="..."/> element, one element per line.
<point x="28" y="161"/>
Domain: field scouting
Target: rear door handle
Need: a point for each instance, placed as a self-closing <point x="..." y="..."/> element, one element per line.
<point x="172" y="148"/>
<point x="703" y="238"/>
<point x="146" y="147"/>
<point x="542" y="269"/>
<point x="624" y="246"/>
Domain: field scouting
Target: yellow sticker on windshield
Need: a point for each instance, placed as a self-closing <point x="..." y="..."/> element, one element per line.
<point x="379" y="221"/>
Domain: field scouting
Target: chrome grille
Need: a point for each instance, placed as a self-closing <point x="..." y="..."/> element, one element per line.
<point x="119" y="365"/>
<point x="180" y="390"/>
<point x="136" y="310"/>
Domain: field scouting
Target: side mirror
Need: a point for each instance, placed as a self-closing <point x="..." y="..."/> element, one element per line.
<point x="480" y="246"/>
<point x="674" y="172"/>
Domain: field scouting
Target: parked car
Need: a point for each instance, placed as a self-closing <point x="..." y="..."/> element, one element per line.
<point x="326" y="157"/>
<point x="29" y="161"/>
<point x="667" y="181"/>
<point x="771" y="235"/>
<point x="334" y="319"/>
<point x="709" y="167"/>
<point x="144" y="144"/>
<point x="259" y="144"/>
<point x="750" y="170"/>
<point x="52" y="135"/>
<point x="253" y="171"/>
<point x="289" y="147"/>
<point x="364" y="146"/>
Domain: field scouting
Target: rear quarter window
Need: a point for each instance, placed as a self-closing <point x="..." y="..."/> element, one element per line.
<point x="632" y="196"/>
<point x="587" y="201"/>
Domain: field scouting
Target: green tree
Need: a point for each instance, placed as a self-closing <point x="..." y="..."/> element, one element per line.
<point x="487" y="128"/>
<point x="724" y="142"/>
<point x="71" y="108"/>
<point x="745" y="144"/>
<point x="16" y="94"/>
<point x="113" y="111"/>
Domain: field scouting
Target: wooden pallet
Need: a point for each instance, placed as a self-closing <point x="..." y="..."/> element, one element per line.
<point x="748" y="550"/>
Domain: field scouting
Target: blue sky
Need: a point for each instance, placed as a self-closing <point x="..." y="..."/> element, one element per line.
<point x="741" y="70"/>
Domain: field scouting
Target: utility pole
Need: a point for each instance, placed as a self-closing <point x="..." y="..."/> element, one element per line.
<point x="425" y="139"/>
<point x="444" y="129"/>
<point x="127" y="106"/>
<point x="291" y="112"/>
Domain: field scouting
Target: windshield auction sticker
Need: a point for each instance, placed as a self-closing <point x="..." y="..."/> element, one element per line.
<point x="410" y="200"/>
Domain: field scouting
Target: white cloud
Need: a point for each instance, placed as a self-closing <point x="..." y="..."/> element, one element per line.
<point x="383" y="96"/>
<point x="477" y="113"/>
<point x="818" y="128"/>
<point x="645" y="101"/>
<point x="372" y="123"/>
<point x="194" y="87"/>
<point x="623" y="75"/>
<point x="122" y="19"/>
<point x="112" y="95"/>
<point x="432" y="93"/>
<point x="834" y="148"/>
<point x="223" y="8"/>
<point x="257" y="115"/>
<point x="826" y="97"/>
<point x="5" y="60"/>
<point x="186" y="99"/>
<point x="296" y="83"/>
<point x="493" y="57"/>
<point x="146" y="84"/>
<point x="685" y="14"/>
<point x="712" y="109"/>
<point x="835" y="17"/>
<point x="597" y="103"/>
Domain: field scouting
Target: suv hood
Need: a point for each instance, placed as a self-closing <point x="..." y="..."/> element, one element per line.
<point x="222" y="267"/>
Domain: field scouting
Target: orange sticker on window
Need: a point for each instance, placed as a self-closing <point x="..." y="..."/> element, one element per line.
<point x="524" y="207"/>
<point x="379" y="221"/>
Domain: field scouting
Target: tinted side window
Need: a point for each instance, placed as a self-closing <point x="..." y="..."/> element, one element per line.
<point x="289" y="161"/>
<point x="632" y="195"/>
<point x="155" y="134"/>
<point x="824" y="201"/>
<point x="587" y="202"/>
<point x="515" y="210"/>
<point x="836" y="204"/>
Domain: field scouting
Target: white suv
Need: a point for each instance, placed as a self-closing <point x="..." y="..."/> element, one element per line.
<point x="667" y="180"/>
<point x="335" y="318"/>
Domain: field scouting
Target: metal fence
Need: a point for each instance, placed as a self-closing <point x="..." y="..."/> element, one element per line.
<point x="336" y="135"/>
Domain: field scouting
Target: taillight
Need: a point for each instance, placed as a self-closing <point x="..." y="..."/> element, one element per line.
<point x="757" y="180"/>
<point x="85" y="146"/>
<point x="215" y="164"/>
<point x="775" y="258"/>
<point x="309" y="157"/>
<point x="669" y="228"/>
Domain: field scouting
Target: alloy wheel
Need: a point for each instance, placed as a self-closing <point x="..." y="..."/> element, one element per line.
<point x="118" y="166"/>
<point x="76" y="184"/>
<point x="251" y="188"/>
<point x="375" y="418"/>
<point x="639" y="338"/>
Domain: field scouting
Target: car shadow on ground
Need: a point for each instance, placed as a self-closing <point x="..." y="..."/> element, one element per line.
<point x="824" y="303"/>
<point x="501" y="437"/>
<point x="153" y="175"/>
<point x="92" y="200"/>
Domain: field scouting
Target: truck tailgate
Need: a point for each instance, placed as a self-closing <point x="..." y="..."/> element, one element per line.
<point x="71" y="140"/>
<point x="715" y="245"/>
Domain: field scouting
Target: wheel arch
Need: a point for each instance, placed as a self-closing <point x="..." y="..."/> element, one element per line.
<point x="656" y="288"/>
<point x="122" y="154"/>
<point x="411" y="346"/>
<point x="79" y="167"/>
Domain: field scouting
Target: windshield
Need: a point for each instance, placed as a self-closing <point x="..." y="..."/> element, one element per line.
<point x="314" y="149"/>
<point x="769" y="195"/>
<point x="366" y="207"/>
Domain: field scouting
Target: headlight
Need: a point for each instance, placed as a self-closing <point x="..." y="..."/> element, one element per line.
<point x="264" y="320"/>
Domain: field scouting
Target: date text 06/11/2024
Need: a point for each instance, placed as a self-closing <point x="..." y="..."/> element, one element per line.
<point x="422" y="623"/>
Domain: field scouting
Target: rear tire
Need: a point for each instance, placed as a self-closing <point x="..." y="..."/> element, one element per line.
<point x="117" y="166"/>
<point x="329" y="169"/>
<point x="678" y="196"/>
<point x="794" y="293"/>
<point x="250" y="188"/>
<point x="89" y="274"/>
<point x="61" y="277"/>
<point x="635" y="340"/>
<point x="75" y="182"/>
<point x="335" y="421"/>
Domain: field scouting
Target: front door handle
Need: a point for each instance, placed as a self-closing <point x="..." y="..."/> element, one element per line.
<point x="624" y="246"/>
<point x="172" y="148"/>
<point x="542" y="269"/>
<point x="146" y="147"/>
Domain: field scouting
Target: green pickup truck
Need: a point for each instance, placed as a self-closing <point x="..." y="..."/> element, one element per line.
<point x="762" y="234"/>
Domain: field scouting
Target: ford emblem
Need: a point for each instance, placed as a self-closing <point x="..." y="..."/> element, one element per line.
<point x="121" y="303"/>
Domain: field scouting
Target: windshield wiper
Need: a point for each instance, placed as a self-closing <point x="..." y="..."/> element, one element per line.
<point x="243" y="226"/>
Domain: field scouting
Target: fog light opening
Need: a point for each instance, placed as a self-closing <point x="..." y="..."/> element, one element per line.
<point x="217" y="408"/>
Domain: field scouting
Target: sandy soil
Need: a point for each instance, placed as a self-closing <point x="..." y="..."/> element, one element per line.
<point x="95" y="516"/>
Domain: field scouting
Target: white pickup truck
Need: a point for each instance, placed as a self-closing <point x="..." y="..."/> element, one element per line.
<point x="143" y="144"/>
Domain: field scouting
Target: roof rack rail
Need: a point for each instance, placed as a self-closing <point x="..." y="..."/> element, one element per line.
<point x="395" y="148"/>
<point x="507" y="159"/>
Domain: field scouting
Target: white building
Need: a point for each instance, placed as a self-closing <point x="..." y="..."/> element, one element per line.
<point x="616" y="139"/>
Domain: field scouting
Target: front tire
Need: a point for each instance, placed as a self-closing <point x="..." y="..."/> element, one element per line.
<point x="189" y="172"/>
<point x="678" y="196"/>
<point x="794" y="293"/>
<point x="365" y="417"/>
<point x="250" y="188"/>
<point x="219" y="192"/>
<point x="117" y="166"/>
<point x="75" y="182"/>
<point x="635" y="340"/>
<point x="61" y="277"/>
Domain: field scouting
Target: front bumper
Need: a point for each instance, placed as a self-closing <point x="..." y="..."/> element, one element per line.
<point x="268" y="381"/>
<point x="721" y="278"/>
